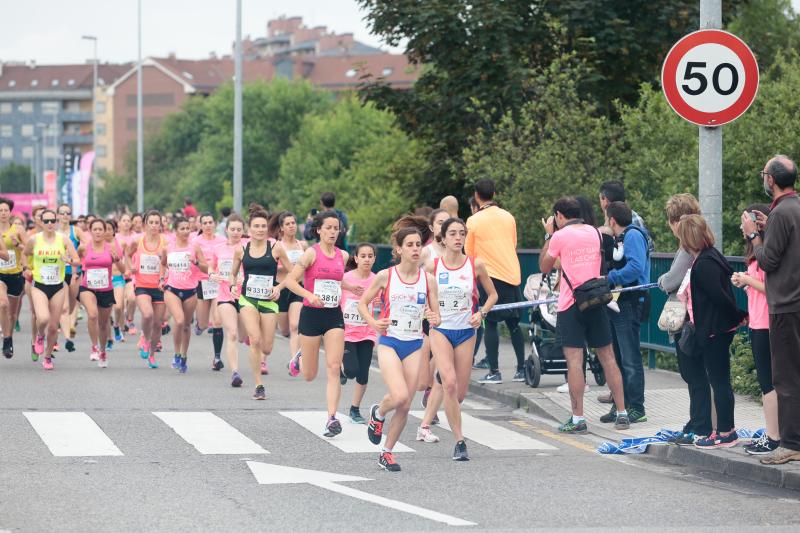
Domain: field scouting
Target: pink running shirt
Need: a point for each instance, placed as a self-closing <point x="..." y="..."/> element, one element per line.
<point x="356" y="328"/>
<point x="578" y="247"/>
<point x="757" y="300"/>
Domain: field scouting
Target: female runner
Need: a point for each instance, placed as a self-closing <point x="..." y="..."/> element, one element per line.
<point x="283" y="226"/>
<point x="48" y="252"/>
<point x="258" y="305"/>
<point x="12" y="283"/>
<point x="321" y="319"/>
<point x="227" y="306"/>
<point x="453" y="341"/>
<point x="97" y="291"/>
<point x="409" y="296"/>
<point x="207" y="291"/>
<point x="71" y="276"/>
<point x="125" y="236"/>
<point x="183" y="262"/>
<point x="145" y="256"/>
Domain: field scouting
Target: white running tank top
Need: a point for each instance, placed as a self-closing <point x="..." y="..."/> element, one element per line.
<point x="404" y="304"/>
<point x="457" y="293"/>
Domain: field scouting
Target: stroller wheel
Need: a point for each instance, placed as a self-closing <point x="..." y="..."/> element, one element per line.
<point x="595" y="367"/>
<point x="533" y="370"/>
<point x="600" y="377"/>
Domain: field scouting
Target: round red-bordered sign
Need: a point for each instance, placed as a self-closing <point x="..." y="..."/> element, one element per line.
<point x="710" y="77"/>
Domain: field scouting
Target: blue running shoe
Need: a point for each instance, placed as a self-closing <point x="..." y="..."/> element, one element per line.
<point x="176" y="361"/>
<point x="183" y="368"/>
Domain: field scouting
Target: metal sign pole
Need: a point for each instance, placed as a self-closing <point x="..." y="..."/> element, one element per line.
<point x="710" y="156"/>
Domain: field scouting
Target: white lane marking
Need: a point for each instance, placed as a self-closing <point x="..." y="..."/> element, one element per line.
<point x="269" y="474"/>
<point x="472" y="404"/>
<point x="352" y="439"/>
<point x="71" y="434"/>
<point x="490" y="435"/>
<point x="208" y="433"/>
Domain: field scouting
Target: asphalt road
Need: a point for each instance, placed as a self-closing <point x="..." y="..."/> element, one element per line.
<point x="160" y="480"/>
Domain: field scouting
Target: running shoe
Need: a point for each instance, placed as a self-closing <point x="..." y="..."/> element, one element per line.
<point x="165" y="329"/>
<point x="144" y="349"/>
<point x="132" y="329"/>
<point x="47" y="363"/>
<point x="183" y="367"/>
<point x="425" y="396"/>
<point x="564" y="387"/>
<point x="571" y="427"/>
<point x="636" y="416"/>
<point x="151" y="361"/>
<point x="94" y="355"/>
<point x="56" y="347"/>
<point x="17" y="327"/>
<point x="622" y="422"/>
<point x="519" y="375"/>
<point x="38" y="345"/>
<point x="493" y="378"/>
<point x="683" y="439"/>
<point x="217" y="364"/>
<point x="69" y="345"/>
<point x="762" y="446"/>
<point x="460" y="451"/>
<point x="387" y="462"/>
<point x="715" y="440"/>
<point x="176" y="361"/>
<point x="109" y="345"/>
<point x="264" y="369"/>
<point x="197" y="330"/>
<point x="355" y="416"/>
<point x="34" y="355"/>
<point x="375" y="426"/>
<point x="159" y="346"/>
<point x="8" y="347"/>
<point x="611" y="416"/>
<point x="236" y="380"/>
<point x="294" y="365"/>
<point x="332" y="427"/>
<point x="425" y="434"/>
<point x="435" y="421"/>
<point x="260" y="393"/>
<point x="483" y="364"/>
<point x="141" y="341"/>
<point x="117" y="334"/>
<point x="103" y="362"/>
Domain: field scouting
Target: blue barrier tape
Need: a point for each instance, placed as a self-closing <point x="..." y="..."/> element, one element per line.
<point x="518" y="305"/>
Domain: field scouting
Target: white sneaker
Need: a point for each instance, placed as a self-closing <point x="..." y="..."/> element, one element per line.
<point x="565" y="388"/>
<point x="425" y="434"/>
<point x="103" y="361"/>
<point x="95" y="354"/>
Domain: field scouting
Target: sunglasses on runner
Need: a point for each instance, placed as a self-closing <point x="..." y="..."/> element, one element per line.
<point x="48" y="221"/>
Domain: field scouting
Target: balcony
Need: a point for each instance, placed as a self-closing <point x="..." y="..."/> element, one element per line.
<point x="76" y="116"/>
<point x="68" y="138"/>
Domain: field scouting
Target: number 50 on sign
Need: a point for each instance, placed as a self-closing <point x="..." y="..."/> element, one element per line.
<point x="710" y="77"/>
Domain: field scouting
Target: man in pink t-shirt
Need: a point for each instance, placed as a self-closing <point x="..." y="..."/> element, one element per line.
<point x="578" y="248"/>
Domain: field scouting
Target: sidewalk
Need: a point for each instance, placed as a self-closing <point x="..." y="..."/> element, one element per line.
<point x="667" y="406"/>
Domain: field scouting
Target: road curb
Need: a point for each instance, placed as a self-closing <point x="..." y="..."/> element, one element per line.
<point x="725" y="462"/>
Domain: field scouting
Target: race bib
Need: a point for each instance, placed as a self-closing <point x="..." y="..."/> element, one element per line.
<point x="149" y="264"/>
<point x="178" y="262"/>
<point x="351" y="315"/>
<point x="50" y="274"/>
<point x="329" y="291"/>
<point x="97" y="278"/>
<point x="11" y="262"/>
<point x="406" y="319"/>
<point x="259" y="286"/>
<point x="225" y="268"/>
<point x="210" y="289"/>
<point x="294" y="255"/>
<point x="453" y="299"/>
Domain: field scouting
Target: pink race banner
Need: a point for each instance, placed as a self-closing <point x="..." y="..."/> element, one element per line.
<point x="80" y="185"/>
<point x="24" y="202"/>
<point x="50" y="185"/>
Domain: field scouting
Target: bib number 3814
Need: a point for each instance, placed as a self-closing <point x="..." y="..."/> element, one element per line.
<point x="329" y="291"/>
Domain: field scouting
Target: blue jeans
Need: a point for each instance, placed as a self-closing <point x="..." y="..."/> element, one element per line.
<point x="625" y="327"/>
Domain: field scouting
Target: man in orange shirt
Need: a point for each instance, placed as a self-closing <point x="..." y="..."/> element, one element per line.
<point x="492" y="236"/>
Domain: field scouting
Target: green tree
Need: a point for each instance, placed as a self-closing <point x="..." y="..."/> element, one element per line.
<point x="769" y="27"/>
<point x="15" y="178"/>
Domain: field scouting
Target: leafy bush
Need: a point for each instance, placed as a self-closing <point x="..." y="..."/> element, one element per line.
<point x="743" y="368"/>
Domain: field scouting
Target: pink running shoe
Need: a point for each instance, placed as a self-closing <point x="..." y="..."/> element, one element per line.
<point x="103" y="361"/>
<point x="95" y="354"/>
<point x="151" y="361"/>
<point x="38" y="345"/>
<point x="294" y="365"/>
<point x="47" y="363"/>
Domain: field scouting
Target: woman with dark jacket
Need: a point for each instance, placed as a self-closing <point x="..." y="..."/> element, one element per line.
<point x="713" y="312"/>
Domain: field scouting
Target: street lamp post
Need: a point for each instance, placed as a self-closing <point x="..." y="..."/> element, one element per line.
<point x="93" y="38"/>
<point x="139" y="125"/>
<point x="237" y="113"/>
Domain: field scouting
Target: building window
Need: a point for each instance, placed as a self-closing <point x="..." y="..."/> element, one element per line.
<point x="100" y="107"/>
<point x="101" y="151"/>
<point x="101" y="129"/>
<point x="27" y="130"/>
<point x="72" y="106"/>
<point x="6" y="108"/>
<point x="7" y="152"/>
<point x="6" y="130"/>
<point x="12" y="83"/>
<point x="26" y="107"/>
<point x="27" y="152"/>
<point x="70" y="82"/>
<point x="50" y="108"/>
<point x="34" y="83"/>
<point x="54" y="83"/>
<point x="387" y="71"/>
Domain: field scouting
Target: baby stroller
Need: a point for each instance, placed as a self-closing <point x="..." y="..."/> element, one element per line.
<point x="546" y="355"/>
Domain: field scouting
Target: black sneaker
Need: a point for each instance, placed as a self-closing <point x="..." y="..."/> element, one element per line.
<point x="460" y="451"/>
<point x="236" y="380"/>
<point x="218" y="364"/>
<point x="636" y="416"/>
<point x="8" y="347"/>
<point x="260" y="393"/>
<point x="519" y="375"/>
<point x="435" y="421"/>
<point x="494" y="378"/>
<point x="482" y="364"/>
<point x="611" y="416"/>
<point x="762" y="446"/>
<point x="683" y="439"/>
<point x="375" y="426"/>
<point x="387" y="462"/>
<point x="332" y="427"/>
<point x="69" y="345"/>
<point x="355" y="416"/>
<point x="622" y="422"/>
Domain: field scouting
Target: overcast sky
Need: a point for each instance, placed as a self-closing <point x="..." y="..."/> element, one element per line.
<point x="49" y="31"/>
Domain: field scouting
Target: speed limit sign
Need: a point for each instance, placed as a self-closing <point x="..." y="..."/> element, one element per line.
<point x="710" y="77"/>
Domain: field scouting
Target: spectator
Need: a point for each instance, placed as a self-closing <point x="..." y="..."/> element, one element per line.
<point x="777" y="255"/>
<point x="492" y="236"/>
<point x="713" y="312"/>
<point x="630" y="267"/>
<point x="188" y="209"/>
<point x="614" y="191"/>
<point x="450" y="204"/>
<point x="473" y="205"/>
<point x="327" y="202"/>
<point x="578" y="247"/>
<point x="225" y="212"/>
<point x="691" y="368"/>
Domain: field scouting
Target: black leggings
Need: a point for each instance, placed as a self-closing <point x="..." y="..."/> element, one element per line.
<point x="762" y="356"/>
<point x="492" y="341"/>
<point x="717" y="362"/>
<point x="357" y="359"/>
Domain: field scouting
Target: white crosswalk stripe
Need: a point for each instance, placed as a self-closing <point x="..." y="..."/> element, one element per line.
<point x="489" y="434"/>
<point x="71" y="434"/>
<point x="353" y="438"/>
<point x="209" y="434"/>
